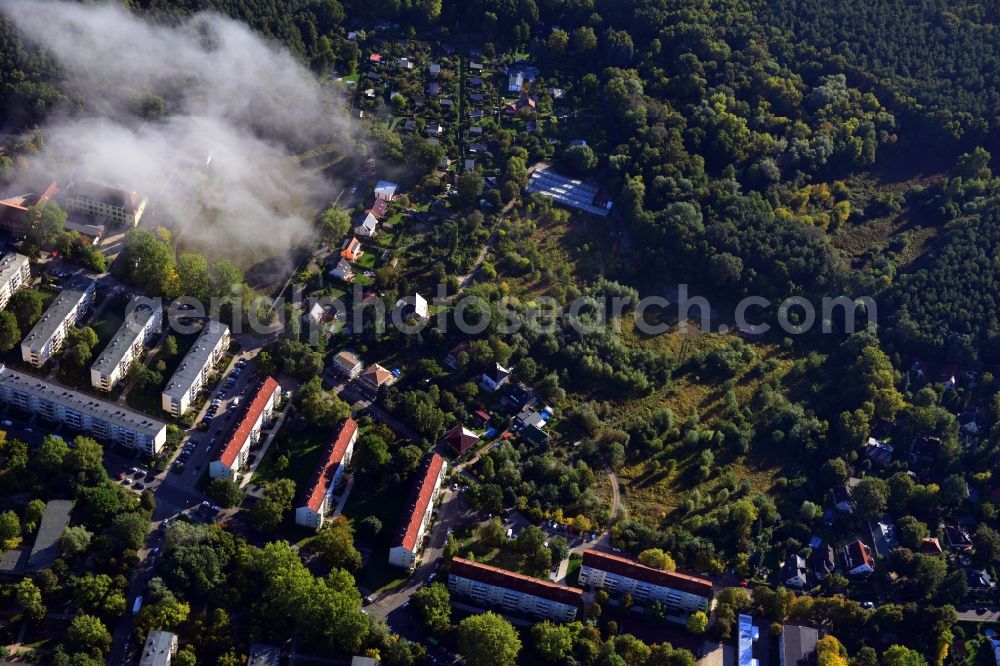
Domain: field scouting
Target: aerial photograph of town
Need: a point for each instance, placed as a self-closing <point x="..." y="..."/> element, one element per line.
<point x="500" y="332"/>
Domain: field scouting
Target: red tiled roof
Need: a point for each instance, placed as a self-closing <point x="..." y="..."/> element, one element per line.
<point x="242" y="431"/>
<point x="857" y="554"/>
<point x="624" y="566"/>
<point x="334" y="456"/>
<point x="460" y="438"/>
<point x="484" y="573"/>
<point x="376" y="374"/>
<point x="420" y="498"/>
<point x="375" y="57"/>
<point x="379" y="207"/>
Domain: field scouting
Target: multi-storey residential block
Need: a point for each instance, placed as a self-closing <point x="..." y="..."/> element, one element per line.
<point x="247" y="432"/>
<point x="680" y="593"/>
<point x="159" y="650"/>
<point x="105" y="203"/>
<point x="101" y="419"/>
<point x="417" y="517"/>
<point x="490" y="587"/>
<point x="46" y="338"/>
<point x="15" y="272"/>
<point x="316" y="502"/>
<point x="190" y="376"/>
<point x="142" y="322"/>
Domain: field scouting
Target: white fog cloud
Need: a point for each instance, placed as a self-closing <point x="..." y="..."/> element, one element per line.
<point x="231" y="95"/>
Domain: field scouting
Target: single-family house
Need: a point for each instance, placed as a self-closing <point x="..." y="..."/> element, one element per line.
<point x="374" y="378"/>
<point x="378" y="208"/>
<point x="956" y="538"/>
<point x="433" y="88"/>
<point x="793" y="572"/>
<point x="385" y="190"/>
<point x="412" y="307"/>
<point x="931" y="546"/>
<point x="879" y="452"/>
<point x="434" y="69"/>
<point x="494" y="377"/>
<point x="842" y="500"/>
<point x="857" y="559"/>
<point x="348" y="364"/>
<point x="452" y="359"/>
<point x="367" y="227"/>
<point x="822" y="561"/>
<point x="352" y="249"/>
<point x="460" y="439"/>
<point x="343" y="270"/>
<point x="980" y="582"/>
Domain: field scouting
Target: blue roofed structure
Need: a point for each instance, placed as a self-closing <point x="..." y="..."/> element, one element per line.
<point x="746" y="637"/>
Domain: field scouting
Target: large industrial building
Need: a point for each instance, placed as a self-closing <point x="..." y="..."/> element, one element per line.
<point x="190" y="376"/>
<point x="66" y="310"/>
<point x="100" y="419"/>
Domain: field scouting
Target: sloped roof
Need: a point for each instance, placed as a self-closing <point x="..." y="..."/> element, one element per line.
<point x="416" y="506"/>
<point x="627" y="567"/>
<point x="376" y="374"/>
<point x="247" y="421"/>
<point x="491" y="575"/>
<point x="328" y="465"/>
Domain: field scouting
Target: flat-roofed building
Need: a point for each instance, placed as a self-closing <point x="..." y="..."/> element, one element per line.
<point x="68" y="308"/>
<point x="100" y="419"/>
<point x="797" y="645"/>
<point x="105" y="202"/>
<point x="489" y="586"/>
<point x="569" y="192"/>
<point x="15" y="272"/>
<point x="417" y="516"/>
<point x="680" y="593"/>
<point x="247" y="432"/>
<point x="328" y="476"/>
<point x="191" y="375"/>
<point x="159" y="649"/>
<point x="142" y="322"/>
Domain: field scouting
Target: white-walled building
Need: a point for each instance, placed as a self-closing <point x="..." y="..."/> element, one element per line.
<point x="15" y="272"/>
<point x="680" y="593"/>
<point x="100" y="419"/>
<point x="105" y="203"/>
<point x="46" y="338"/>
<point x="247" y="432"/>
<point x="190" y="376"/>
<point x="142" y="322"/>
<point x="490" y="587"/>
<point x="417" y="517"/>
<point x="316" y="502"/>
<point x="159" y="649"/>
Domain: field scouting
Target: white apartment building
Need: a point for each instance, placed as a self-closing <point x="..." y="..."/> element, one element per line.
<point x="329" y="474"/>
<point x="15" y="272"/>
<point x="105" y="203"/>
<point x="417" y="517"/>
<point x="191" y="375"/>
<point x="490" y="587"/>
<point x="680" y="593"/>
<point x="45" y="339"/>
<point x="159" y="649"/>
<point x="100" y="419"/>
<point x="142" y="322"/>
<point x="247" y="432"/>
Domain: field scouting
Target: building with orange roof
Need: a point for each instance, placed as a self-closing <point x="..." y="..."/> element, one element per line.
<point x="14" y="210"/>
<point x="352" y="251"/>
<point x="330" y="472"/>
<point x="680" y="593"/>
<point x="374" y="378"/>
<point x="490" y="587"/>
<point x="417" y="516"/>
<point x="247" y="432"/>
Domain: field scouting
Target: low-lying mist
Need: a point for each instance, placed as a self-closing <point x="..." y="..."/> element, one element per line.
<point x="202" y="116"/>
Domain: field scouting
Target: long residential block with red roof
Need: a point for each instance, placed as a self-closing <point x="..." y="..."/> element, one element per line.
<point x="316" y="501"/>
<point x="490" y="587"/>
<point x="680" y="593"/>
<point x="247" y="432"/>
<point x="417" y="516"/>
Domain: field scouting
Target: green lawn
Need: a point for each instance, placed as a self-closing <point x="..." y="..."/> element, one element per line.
<point x="303" y="447"/>
<point x="366" y="261"/>
<point x="386" y="504"/>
